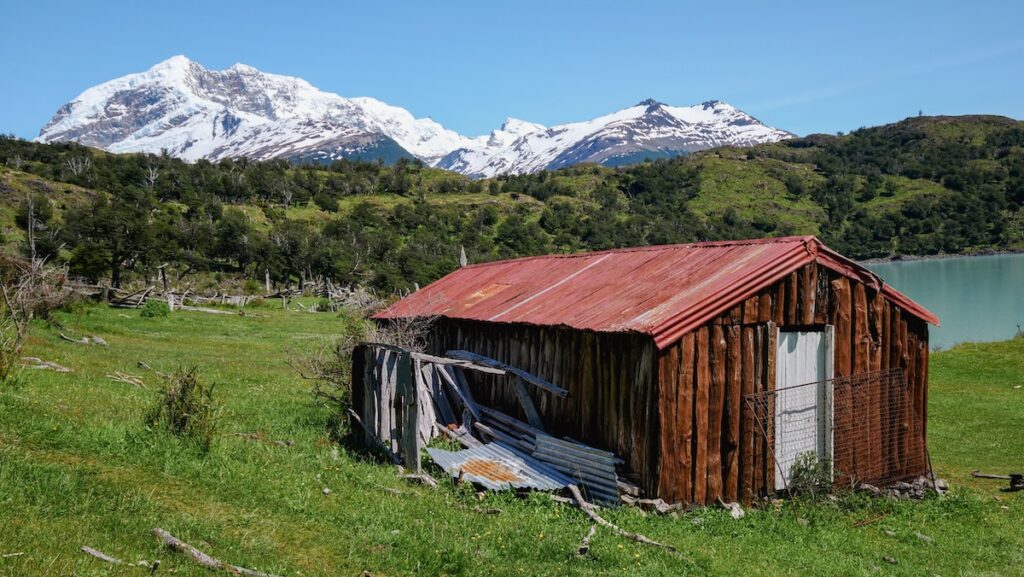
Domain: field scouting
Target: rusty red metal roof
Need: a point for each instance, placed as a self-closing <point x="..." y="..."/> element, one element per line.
<point x="662" y="291"/>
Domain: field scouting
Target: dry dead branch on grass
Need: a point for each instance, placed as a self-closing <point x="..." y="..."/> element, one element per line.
<point x="172" y="542"/>
<point x="101" y="555"/>
<point x="261" y="438"/>
<point x="584" y="547"/>
<point x="152" y="567"/>
<point x="422" y="478"/>
<point x="589" y="511"/>
<point x="37" y="363"/>
<point x="86" y="340"/>
<point x="120" y="377"/>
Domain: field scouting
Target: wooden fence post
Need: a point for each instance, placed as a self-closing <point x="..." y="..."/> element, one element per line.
<point x="407" y="395"/>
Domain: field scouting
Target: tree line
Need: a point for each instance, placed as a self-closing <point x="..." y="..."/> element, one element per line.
<point x="391" y="227"/>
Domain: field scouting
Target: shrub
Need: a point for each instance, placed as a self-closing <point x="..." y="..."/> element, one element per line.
<point x="810" y="476"/>
<point x="27" y="290"/>
<point x="186" y="408"/>
<point x="154" y="309"/>
<point x="326" y="202"/>
<point x="329" y="367"/>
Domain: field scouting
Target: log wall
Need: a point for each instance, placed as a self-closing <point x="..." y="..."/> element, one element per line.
<point x="710" y="444"/>
<point x="612" y="393"/>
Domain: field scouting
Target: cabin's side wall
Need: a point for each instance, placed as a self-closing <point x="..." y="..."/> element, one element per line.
<point x="710" y="444"/>
<point x="610" y="378"/>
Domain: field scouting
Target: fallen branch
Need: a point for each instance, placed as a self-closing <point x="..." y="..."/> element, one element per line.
<point x="584" y="547"/>
<point x="86" y="340"/>
<point x="657" y="505"/>
<point x="870" y="520"/>
<point x="588" y="509"/>
<point x="203" y="559"/>
<point x="979" y="475"/>
<point x="422" y="478"/>
<point x="101" y="555"/>
<point x="260" y="437"/>
<point x="568" y="501"/>
<point x="9" y="555"/>
<point x="1016" y="479"/>
<point x="120" y="377"/>
<point x="37" y="363"/>
<point x="206" y="310"/>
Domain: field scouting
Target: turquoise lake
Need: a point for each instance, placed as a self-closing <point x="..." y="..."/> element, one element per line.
<point x="978" y="298"/>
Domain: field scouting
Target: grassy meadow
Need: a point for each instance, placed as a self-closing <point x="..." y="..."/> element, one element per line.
<point x="79" y="467"/>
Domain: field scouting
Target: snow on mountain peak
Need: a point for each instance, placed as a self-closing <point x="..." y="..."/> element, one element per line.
<point x="517" y="126"/>
<point x="649" y="129"/>
<point x="193" y="112"/>
<point x="243" y="68"/>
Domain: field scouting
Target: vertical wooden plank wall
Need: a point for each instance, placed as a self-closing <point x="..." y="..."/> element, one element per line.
<point x="737" y="347"/>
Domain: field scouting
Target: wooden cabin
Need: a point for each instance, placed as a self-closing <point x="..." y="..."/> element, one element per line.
<point x="668" y="351"/>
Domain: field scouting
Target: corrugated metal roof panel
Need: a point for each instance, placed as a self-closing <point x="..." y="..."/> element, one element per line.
<point x="592" y="469"/>
<point x="497" y="466"/>
<point x="662" y="291"/>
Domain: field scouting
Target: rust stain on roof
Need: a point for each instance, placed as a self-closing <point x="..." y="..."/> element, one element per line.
<point x="662" y="291"/>
<point x="491" y="470"/>
<point x="484" y="293"/>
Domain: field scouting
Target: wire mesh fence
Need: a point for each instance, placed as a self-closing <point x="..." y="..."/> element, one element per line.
<point x="848" y="430"/>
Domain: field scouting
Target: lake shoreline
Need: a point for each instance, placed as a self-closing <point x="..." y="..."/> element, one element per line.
<point x="917" y="257"/>
<point x="976" y="298"/>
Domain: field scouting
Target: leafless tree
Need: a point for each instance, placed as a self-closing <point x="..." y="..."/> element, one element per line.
<point x="286" y="195"/>
<point x="27" y="290"/>
<point x="78" y="165"/>
<point x="31" y="228"/>
<point x="152" y="173"/>
<point x="16" y="162"/>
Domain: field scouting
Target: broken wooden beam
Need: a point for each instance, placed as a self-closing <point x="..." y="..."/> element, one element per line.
<point x="532" y="416"/>
<point x="480" y="368"/>
<point x="530" y="378"/>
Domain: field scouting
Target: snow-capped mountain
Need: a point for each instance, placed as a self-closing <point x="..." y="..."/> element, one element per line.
<point x="648" y="130"/>
<point x="192" y="113"/>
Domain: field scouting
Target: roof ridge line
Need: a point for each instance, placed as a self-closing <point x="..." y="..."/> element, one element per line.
<point x="655" y="247"/>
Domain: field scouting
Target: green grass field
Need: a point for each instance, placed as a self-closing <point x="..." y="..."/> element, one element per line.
<point x="78" y="467"/>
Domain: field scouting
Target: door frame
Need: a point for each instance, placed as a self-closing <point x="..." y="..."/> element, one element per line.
<point x="828" y="421"/>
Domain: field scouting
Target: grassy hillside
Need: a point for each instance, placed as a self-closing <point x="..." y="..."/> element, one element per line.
<point x="923" y="186"/>
<point x="79" y="467"/>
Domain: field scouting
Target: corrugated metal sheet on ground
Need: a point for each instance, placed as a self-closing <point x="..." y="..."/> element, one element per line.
<point x="592" y="469"/>
<point x="497" y="466"/>
<point x="663" y="291"/>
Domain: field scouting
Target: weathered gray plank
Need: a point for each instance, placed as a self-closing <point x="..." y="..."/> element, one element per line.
<point x="532" y="416"/>
<point x="447" y="375"/>
<point x="528" y="377"/>
<point x="406" y="403"/>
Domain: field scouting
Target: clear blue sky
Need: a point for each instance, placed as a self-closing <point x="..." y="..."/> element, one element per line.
<point x="802" y="66"/>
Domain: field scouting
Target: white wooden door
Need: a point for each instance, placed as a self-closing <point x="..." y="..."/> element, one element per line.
<point x="803" y="414"/>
